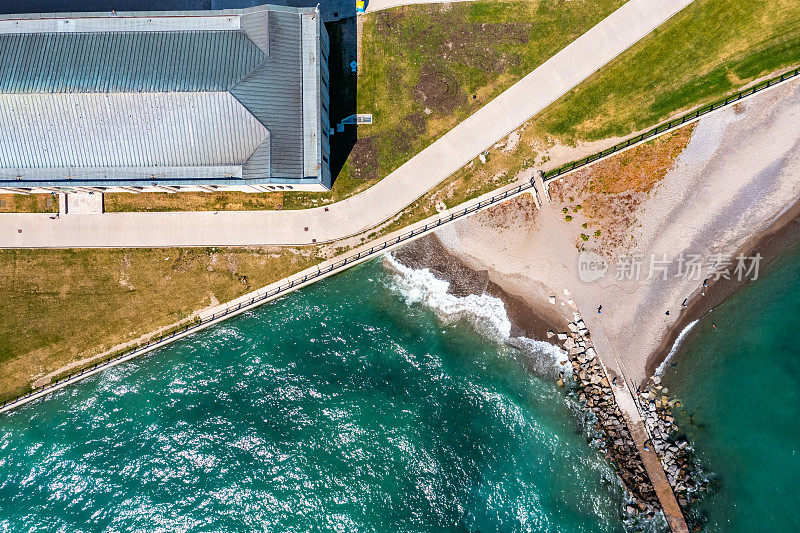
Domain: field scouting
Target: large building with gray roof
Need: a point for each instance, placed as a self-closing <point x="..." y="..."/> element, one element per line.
<point x="164" y="101"/>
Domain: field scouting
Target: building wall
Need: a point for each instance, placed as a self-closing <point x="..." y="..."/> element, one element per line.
<point x="249" y="188"/>
<point x="324" y="99"/>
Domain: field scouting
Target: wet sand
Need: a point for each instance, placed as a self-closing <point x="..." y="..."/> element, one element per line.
<point x="771" y="244"/>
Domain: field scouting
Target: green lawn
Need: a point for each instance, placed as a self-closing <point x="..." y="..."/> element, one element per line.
<point x="710" y="49"/>
<point x="28" y="203"/>
<point x="425" y="68"/>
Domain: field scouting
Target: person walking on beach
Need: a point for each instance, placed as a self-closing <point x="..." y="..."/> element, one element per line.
<point x="599" y="309"/>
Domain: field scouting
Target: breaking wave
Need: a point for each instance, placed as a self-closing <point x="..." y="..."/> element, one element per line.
<point x="486" y="313"/>
<point x="545" y="359"/>
<point x="663" y="366"/>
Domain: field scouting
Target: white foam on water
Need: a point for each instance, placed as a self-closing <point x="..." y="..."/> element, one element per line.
<point x="548" y="359"/>
<point x="675" y="346"/>
<point x="485" y="312"/>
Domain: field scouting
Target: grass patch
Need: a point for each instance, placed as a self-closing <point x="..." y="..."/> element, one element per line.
<point x="60" y="306"/>
<point x="426" y="68"/>
<point x="710" y="49"/>
<point x="28" y="203"/>
<point x="192" y="201"/>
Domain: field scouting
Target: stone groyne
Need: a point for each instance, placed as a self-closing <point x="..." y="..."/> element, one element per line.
<point x="673" y="450"/>
<point x="591" y="386"/>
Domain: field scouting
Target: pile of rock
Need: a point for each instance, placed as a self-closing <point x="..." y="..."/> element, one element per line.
<point x="591" y="386"/>
<point x="674" y="451"/>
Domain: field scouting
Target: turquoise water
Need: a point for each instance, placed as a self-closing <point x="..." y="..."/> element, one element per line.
<point x="339" y="408"/>
<point x="741" y="385"/>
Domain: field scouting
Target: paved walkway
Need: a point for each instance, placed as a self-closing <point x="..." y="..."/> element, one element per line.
<point x="453" y="150"/>
<point x="80" y="203"/>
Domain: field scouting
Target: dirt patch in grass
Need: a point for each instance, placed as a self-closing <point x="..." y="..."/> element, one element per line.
<point x="414" y="124"/>
<point x="482" y="45"/>
<point x="364" y="159"/>
<point x="387" y="22"/>
<point x="450" y="35"/>
<point x="438" y="89"/>
<point x="411" y="128"/>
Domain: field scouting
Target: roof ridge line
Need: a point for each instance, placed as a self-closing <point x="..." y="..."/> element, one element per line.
<point x="255" y="26"/>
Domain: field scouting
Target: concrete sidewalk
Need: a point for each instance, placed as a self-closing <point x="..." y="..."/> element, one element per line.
<point x="453" y="150"/>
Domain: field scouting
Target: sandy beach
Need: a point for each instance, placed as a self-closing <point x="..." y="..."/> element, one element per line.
<point x="730" y="190"/>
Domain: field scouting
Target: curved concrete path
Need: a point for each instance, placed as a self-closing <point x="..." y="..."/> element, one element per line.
<point x="452" y="151"/>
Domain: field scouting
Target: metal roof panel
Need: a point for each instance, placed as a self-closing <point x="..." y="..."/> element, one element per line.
<point x="125" y="130"/>
<point x="125" y="62"/>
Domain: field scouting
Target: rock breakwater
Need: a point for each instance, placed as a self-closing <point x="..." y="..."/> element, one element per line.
<point x="590" y="384"/>
<point x="673" y="450"/>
